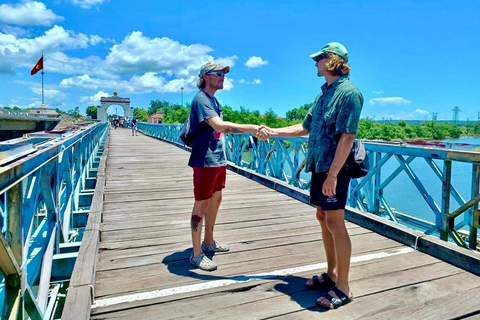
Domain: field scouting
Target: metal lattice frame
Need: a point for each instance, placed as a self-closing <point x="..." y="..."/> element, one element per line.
<point x="40" y="196"/>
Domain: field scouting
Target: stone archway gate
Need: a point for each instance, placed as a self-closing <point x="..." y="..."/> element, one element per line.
<point x="113" y="100"/>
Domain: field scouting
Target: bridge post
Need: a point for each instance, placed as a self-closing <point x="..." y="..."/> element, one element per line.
<point x="14" y="238"/>
<point x="443" y="223"/>
<point x="474" y="213"/>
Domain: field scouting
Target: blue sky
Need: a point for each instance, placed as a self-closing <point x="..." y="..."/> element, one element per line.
<point x="410" y="59"/>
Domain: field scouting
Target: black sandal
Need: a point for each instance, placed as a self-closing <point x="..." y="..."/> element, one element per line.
<point x="342" y="299"/>
<point x="327" y="282"/>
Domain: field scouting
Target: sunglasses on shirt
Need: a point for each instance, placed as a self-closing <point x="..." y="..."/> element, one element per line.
<point x="217" y="73"/>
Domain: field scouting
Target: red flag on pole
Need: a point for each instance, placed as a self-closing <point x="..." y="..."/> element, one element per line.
<point x="38" y="66"/>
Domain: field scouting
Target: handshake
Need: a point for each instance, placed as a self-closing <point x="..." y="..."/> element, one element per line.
<point x="263" y="132"/>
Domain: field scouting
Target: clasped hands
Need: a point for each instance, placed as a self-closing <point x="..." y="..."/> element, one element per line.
<point x="263" y="132"/>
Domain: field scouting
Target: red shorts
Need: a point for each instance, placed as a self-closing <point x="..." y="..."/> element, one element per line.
<point x="206" y="181"/>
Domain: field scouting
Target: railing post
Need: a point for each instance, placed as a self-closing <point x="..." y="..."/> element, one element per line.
<point x="474" y="213"/>
<point x="442" y="222"/>
<point x="15" y="283"/>
<point x="378" y="191"/>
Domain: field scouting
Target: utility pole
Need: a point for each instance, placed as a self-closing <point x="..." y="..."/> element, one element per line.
<point x="182" y="95"/>
<point x="456" y="110"/>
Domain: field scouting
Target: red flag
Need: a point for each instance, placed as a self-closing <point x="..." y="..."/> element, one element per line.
<point x="38" y="66"/>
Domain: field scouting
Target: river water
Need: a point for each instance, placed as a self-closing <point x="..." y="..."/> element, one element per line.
<point x="402" y="194"/>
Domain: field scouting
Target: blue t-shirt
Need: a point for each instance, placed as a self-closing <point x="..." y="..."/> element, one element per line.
<point x="208" y="147"/>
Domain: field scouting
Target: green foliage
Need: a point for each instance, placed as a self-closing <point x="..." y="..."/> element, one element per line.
<point x="157" y="106"/>
<point x="140" y="114"/>
<point x="298" y="114"/>
<point x="91" y="111"/>
<point x="367" y="128"/>
<point x="60" y="111"/>
<point x="75" y="113"/>
<point x="175" y="113"/>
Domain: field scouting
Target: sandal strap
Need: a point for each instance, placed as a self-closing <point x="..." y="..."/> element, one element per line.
<point x="327" y="280"/>
<point x="344" y="299"/>
<point x="315" y="281"/>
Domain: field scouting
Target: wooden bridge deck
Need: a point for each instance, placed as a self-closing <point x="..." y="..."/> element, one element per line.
<point x="143" y="270"/>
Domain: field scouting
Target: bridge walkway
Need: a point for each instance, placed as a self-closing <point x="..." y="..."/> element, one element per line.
<point x="143" y="270"/>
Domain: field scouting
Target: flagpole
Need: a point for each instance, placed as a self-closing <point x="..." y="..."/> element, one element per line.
<point x="43" y="101"/>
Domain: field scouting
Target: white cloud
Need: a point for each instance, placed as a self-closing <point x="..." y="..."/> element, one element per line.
<point x="137" y="64"/>
<point x="423" y="113"/>
<point x="152" y="65"/>
<point x="418" y="114"/>
<point x="227" y="61"/>
<point x="389" y="100"/>
<point x="377" y="92"/>
<point x="253" y="82"/>
<point x="25" y="52"/>
<point x="93" y="100"/>
<point x="148" y="82"/>
<point x="87" y="4"/>
<point x="137" y="53"/>
<point x="28" y="14"/>
<point x="255" y="62"/>
<point x="15" y="30"/>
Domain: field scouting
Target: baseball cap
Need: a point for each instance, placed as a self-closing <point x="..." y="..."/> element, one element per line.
<point x="211" y="66"/>
<point x="332" y="47"/>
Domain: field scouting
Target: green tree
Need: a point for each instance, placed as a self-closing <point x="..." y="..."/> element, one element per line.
<point x="74" y="112"/>
<point x="140" y="114"/>
<point x="157" y="106"/>
<point x="298" y="113"/>
<point x="91" y="111"/>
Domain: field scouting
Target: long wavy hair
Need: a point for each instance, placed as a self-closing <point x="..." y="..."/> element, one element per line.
<point x="337" y="66"/>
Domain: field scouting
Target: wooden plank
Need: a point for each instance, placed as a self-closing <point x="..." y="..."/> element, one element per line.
<point x="80" y="291"/>
<point x="78" y="296"/>
<point x="146" y="237"/>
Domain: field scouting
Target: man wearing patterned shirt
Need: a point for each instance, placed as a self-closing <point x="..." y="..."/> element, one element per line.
<point x="331" y="124"/>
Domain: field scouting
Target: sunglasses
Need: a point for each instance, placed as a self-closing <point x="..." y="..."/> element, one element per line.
<point x="217" y="73"/>
<point x="322" y="56"/>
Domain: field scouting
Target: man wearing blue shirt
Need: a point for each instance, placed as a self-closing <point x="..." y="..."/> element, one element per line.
<point x="208" y="161"/>
<point x="331" y="124"/>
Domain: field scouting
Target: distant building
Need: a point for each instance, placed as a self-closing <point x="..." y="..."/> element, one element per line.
<point x="156" y="118"/>
<point x="44" y="111"/>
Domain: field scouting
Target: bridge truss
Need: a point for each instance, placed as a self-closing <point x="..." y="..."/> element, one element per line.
<point x="45" y="194"/>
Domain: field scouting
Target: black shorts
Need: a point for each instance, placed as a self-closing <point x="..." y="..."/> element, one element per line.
<point x="336" y="202"/>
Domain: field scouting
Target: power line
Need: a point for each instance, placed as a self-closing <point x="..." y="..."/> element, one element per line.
<point x="456" y="110"/>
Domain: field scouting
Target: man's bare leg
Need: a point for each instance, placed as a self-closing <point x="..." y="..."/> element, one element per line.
<point x="329" y="246"/>
<point x="211" y="216"/>
<point x="343" y="250"/>
<point x="196" y="222"/>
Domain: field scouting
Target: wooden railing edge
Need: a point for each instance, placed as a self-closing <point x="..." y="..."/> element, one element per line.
<point x="80" y="293"/>
<point x="448" y="252"/>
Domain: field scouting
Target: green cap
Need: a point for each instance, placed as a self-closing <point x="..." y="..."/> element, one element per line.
<point x="332" y="47"/>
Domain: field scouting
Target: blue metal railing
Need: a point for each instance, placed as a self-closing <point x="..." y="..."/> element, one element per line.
<point x="284" y="159"/>
<point x="45" y="194"/>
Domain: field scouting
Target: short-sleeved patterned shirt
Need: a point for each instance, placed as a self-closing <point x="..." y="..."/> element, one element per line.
<point x="336" y="110"/>
<point x="208" y="147"/>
